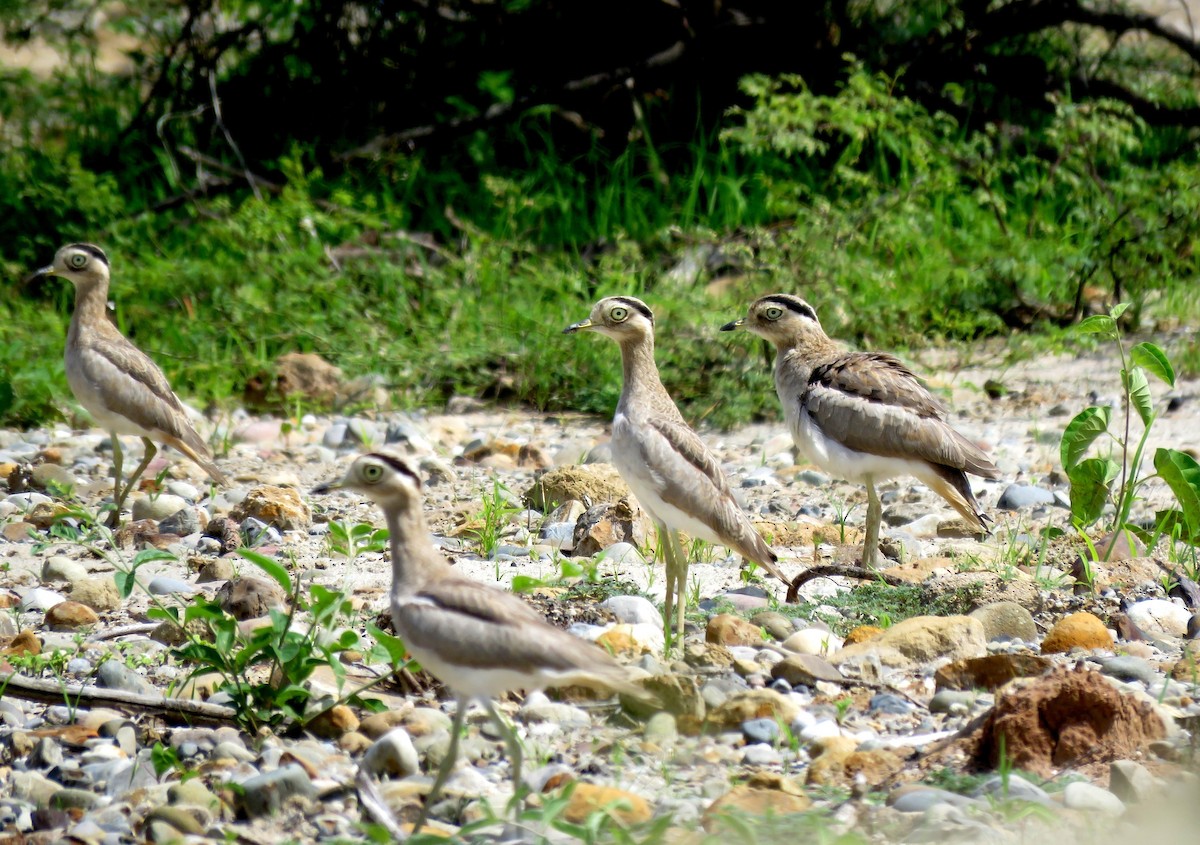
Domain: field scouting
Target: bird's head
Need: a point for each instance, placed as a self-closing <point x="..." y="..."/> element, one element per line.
<point x="623" y="318"/>
<point x="80" y="264"/>
<point x="384" y="479"/>
<point x="781" y="318"/>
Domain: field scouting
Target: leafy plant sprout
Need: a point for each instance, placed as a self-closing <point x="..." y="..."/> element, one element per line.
<point x="1100" y="481"/>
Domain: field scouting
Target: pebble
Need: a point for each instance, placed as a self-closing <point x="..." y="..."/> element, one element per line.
<point x="40" y="599"/>
<point x="1079" y="795"/>
<point x="1160" y="617"/>
<point x="113" y="674"/>
<point x="183" y="522"/>
<point x="761" y="730"/>
<point x="633" y="610"/>
<point x="60" y="568"/>
<point x="1131" y="782"/>
<point x="157" y="507"/>
<point x="393" y="754"/>
<point x="265" y="794"/>
<point x="165" y="586"/>
<point x="1127" y="668"/>
<point x="1019" y="496"/>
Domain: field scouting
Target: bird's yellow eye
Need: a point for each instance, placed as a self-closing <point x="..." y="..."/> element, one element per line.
<point x="371" y="473"/>
<point x="78" y="260"/>
<point x="773" y="313"/>
<point x="619" y="314"/>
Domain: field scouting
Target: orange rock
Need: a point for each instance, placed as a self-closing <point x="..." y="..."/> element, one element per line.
<point x="625" y="807"/>
<point x="620" y="641"/>
<point x="1079" y="630"/>
<point x="751" y="801"/>
<point x="334" y="722"/>
<point x="25" y="642"/>
<point x="69" y="615"/>
<point x="727" y="629"/>
<point x="861" y="634"/>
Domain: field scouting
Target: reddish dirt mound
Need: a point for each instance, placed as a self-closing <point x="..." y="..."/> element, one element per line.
<point x="1069" y="717"/>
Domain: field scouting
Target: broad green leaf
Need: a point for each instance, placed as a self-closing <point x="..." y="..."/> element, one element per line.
<point x="151" y="555"/>
<point x="1117" y="310"/>
<point x="1090" y="483"/>
<point x="1182" y="474"/>
<point x="392" y="646"/>
<point x="1154" y="361"/>
<point x="525" y="583"/>
<point x="1139" y="393"/>
<point x="271" y="567"/>
<point x="125" y="581"/>
<point x="1081" y="433"/>
<point x="1098" y="324"/>
<point x="1171" y="524"/>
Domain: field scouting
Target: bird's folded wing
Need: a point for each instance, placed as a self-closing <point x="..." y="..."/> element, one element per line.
<point x="473" y="626"/>
<point x="698" y="487"/>
<point x="134" y="387"/>
<point x="872" y="403"/>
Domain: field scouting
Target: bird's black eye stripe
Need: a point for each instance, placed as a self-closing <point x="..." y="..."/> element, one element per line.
<point x="636" y="305"/>
<point x="92" y="250"/>
<point x="398" y="465"/>
<point x="791" y="303"/>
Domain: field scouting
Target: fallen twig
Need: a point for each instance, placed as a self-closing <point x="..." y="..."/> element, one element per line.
<point x="832" y="570"/>
<point x="173" y="710"/>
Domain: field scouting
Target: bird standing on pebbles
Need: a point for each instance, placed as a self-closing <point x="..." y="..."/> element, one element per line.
<point x="123" y="390"/>
<point x="664" y="462"/>
<point x="863" y="416"/>
<point x="479" y="641"/>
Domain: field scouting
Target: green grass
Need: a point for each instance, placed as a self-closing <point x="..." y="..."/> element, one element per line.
<point x="877" y="603"/>
<point x="899" y="226"/>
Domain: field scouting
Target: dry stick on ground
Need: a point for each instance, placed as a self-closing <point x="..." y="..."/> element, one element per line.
<point x="180" y="711"/>
<point x="833" y="569"/>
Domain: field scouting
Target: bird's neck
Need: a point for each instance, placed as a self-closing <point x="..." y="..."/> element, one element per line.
<point x="806" y="352"/>
<point x="642" y="383"/>
<point x="414" y="561"/>
<point x="91" y="307"/>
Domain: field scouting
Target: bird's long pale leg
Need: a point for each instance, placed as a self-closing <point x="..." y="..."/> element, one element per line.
<point x="460" y="717"/>
<point x="114" y="518"/>
<point x="515" y="755"/>
<point x="874" y="515"/>
<point x="665" y="538"/>
<point x="681" y="569"/>
<point x="151" y="451"/>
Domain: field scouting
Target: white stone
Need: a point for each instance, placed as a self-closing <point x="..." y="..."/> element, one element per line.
<point x="392" y="754"/>
<point x="40" y="599"/>
<point x="633" y="609"/>
<point x="1160" y="617"/>
<point x="820" y="730"/>
<point x="622" y="554"/>
<point x="157" y="507"/>
<point x="813" y="641"/>
<point x="61" y="568"/>
<point x="1079" y="795"/>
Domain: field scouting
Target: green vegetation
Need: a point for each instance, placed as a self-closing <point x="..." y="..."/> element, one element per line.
<point x="1100" y="482"/>
<point x="447" y="262"/>
<point x="877" y="603"/>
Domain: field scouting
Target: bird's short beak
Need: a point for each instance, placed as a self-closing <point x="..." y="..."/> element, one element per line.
<point x="329" y="487"/>
<point x="736" y="324"/>
<point x="46" y="271"/>
<point x="578" y="327"/>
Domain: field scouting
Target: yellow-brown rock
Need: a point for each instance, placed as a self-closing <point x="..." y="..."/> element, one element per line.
<point x="24" y="643"/>
<point x="279" y="506"/>
<point x="1079" y="630"/>
<point x="752" y="704"/>
<point x="69" y="615"/>
<point x="861" y="634"/>
<point x="625" y="807"/>
<point x="334" y="722"/>
<point x="748" y="800"/>
<point x="726" y="629"/>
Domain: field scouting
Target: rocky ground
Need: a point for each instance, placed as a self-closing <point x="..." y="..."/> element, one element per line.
<point x="1025" y="710"/>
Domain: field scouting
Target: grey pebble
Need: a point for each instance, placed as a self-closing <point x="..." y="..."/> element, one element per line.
<point x="1079" y="795"/>
<point x="113" y="674"/>
<point x="761" y="731"/>
<point x="1014" y="786"/>
<point x="183" y="522"/>
<point x="889" y="704"/>
<point x="920" y="800"/>
<point x="165" y="586"/>
<point x="1128" y="668"/>
<point x="1018" y="496"/>
<point x="947" y="701"/>
<point x="157" y="507"/>
<point x="266" y="793"/>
